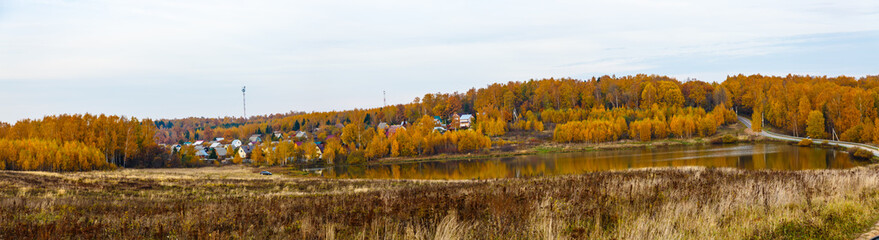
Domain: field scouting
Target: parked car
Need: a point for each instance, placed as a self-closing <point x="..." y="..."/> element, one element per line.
<point x="265" y="173"/>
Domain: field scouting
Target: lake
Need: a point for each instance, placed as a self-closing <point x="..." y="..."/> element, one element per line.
<point x="776" y="156"/>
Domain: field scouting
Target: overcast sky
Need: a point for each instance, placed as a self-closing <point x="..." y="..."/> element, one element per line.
<point x="170" y="59"/>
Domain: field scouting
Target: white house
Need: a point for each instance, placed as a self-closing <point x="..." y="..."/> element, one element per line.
<point x="466" y="120"/>
<point x="236" y="143"/>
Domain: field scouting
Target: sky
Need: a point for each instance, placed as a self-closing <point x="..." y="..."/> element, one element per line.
<point x="172" y="59"/>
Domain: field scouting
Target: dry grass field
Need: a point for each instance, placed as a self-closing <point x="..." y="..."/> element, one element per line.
<point x="235" y="202"/>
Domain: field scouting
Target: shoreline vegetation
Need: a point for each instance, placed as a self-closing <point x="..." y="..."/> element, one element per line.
<point x="731" y="134"/>
<point x="234" y="202"/>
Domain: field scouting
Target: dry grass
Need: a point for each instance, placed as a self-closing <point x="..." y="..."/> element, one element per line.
<point x="234" y="202"/>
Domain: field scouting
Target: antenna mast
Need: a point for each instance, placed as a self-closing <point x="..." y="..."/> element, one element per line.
<point x="244" y="101"/>
<point x="385" y="98"/>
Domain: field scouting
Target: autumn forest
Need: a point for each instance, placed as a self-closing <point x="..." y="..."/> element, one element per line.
<point x="596" y="110"/>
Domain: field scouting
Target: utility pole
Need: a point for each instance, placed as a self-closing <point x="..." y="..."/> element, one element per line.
<point x="244" y="102"/>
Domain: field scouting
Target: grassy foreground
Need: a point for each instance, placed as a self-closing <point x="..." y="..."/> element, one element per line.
<point x="234" y="202"/>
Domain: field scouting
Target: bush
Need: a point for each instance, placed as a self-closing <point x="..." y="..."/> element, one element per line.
<point x="805" y="142"/>
<point x="356" y="157"/>
<point x="860" y="153"/>
<point x="729" y="138"/>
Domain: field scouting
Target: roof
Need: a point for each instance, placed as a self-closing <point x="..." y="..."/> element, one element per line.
<point x="466" y="117"/>
<point x="383" y="125"/>
<point x="246" y="148"/>
<point x="215" y="145"/>
<point x="199" y="142"/>
<point x="393" y="129"/>
<point x="220" y="151"/>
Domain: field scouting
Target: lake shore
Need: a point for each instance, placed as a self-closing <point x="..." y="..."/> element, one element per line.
<point x="234" y="202"/>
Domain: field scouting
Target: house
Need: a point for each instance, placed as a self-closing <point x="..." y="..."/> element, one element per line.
<point x="466" y="120"/>
<point x="301" y="135"/>
<point x="244" y="151"/>
<point x="278" y="135"/>
<point x="393" y="129"/>
<point x="454" y="121"/>
<point x="236" y="143"/>
<point x="437" y="121"/>
<point x="176" y="148"/>
<point x="382" y="126"/>
<point x="201" y="153"/>
<point x="255" y="138"/>
<point x="221" y="153"/>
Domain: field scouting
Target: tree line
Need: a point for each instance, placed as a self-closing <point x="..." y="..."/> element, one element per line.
<point x="75" y="139"/>
<point x="839" y="108"/>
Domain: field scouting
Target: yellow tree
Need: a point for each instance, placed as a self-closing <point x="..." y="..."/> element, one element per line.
<point x="257" y="156"/>
<point x="815" y="125"/>
<point x="757" y="122"/>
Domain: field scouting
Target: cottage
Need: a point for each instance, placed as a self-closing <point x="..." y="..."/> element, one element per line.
<point x="201" y="153"/>
<point x="221" y="153"/>
<point x="278" y="135"/>
<point x="301" y="135"/>
<point x="454" y="121"/>
<point x="437" y="121"/>
<point x="244" y="151"/>
<point x="255" y="138"/>
<point x="235" y="143"/>
<point x="393" y="129"/>
<point x="382" y="126"/>
<point x="466" y="120"/>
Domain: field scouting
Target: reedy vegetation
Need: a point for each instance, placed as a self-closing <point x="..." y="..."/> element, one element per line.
<point x="231" y="202"/>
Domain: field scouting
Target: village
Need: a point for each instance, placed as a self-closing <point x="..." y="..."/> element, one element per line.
<point x="308" y="146"/>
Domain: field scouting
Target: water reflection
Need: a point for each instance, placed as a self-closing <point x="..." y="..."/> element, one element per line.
<point x="745" y="156"/>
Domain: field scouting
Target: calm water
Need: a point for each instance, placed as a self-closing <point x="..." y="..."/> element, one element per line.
<point x="745" y="156"/>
